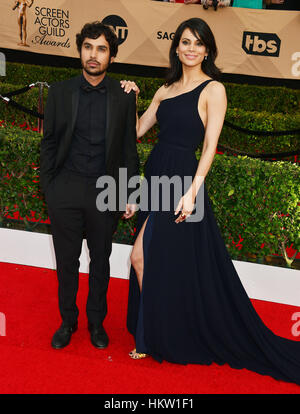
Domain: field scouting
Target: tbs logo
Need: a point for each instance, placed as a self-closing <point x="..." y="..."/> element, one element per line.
<point x="262" y="44"/>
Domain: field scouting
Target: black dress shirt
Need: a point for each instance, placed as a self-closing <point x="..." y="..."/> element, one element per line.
<point x="87" y="153"/>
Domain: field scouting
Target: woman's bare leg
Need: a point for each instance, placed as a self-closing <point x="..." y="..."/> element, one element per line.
<point x="137" y="255"/>
<point x="137" y="261"/>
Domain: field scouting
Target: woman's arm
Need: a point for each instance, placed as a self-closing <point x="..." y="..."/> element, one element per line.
<point x="148" y="119"/>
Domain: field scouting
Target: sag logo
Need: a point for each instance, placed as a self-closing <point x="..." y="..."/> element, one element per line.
<point x="119" y="26"/>
<point x="262" y="44"/>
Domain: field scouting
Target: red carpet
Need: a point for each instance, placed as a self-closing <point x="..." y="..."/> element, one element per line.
<point x="28" y="299"/>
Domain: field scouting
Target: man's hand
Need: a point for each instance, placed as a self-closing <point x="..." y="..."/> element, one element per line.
<point x="130" y="210"/>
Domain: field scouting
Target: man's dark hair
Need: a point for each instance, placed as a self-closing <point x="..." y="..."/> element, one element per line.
<point x="93" y="31"/>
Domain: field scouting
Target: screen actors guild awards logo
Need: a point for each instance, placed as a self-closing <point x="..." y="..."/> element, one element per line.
<point x="21" y="6"/>
<point x="53" y="25"/>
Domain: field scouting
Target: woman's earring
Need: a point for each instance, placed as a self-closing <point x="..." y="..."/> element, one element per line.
<point x="205" y="57"/>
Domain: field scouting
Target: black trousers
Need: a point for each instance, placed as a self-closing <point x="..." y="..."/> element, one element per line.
<point x="73" y="214"/>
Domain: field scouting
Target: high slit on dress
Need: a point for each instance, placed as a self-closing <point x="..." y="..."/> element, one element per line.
<point x="193" y="308"/>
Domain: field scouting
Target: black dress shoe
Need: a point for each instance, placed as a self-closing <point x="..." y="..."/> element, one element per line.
<point x="62" y="336"/>
<point x="99" y="337"/>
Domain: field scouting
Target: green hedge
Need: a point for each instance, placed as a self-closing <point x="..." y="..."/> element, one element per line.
<point x="28" y="99"/>
<point x="258" y="201"/>
<point x="252" y="120"/>
<point x="247" y="97"/>
<point x="252" y="107"/>
<point x="261" y="121"/>
<point x="19" y="179"/>
<point x="24" y="74"/>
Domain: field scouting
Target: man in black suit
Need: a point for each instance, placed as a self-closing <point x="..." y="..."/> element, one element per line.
<point x="89" y="132"/>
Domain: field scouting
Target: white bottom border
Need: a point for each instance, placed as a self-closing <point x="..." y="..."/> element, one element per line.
<point x="263" y="282"/>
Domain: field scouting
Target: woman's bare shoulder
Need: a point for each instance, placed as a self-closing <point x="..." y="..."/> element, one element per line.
<point x="161" y="93"/>
<point x="216" y="88"/>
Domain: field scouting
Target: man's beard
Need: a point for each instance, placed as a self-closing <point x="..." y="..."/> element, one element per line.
<point x="100" y="72"/>
<point x="92" y="73"/>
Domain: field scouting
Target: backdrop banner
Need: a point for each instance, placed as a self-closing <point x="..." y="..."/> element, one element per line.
<point x="249" y="41"/>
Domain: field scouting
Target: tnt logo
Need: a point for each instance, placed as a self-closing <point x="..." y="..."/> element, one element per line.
<point x="262" y="44"/>
<point x="119" y="25"/>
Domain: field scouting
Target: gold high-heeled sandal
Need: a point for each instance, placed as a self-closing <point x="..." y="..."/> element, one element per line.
<point x="137" y="355"/>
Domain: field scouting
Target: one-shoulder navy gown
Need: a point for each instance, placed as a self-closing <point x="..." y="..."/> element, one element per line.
<point x="193" y="307"/>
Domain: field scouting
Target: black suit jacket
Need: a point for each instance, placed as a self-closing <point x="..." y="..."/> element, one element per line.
<point x="59" y="121"/>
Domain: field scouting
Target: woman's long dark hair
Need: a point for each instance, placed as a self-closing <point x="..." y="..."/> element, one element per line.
<point x="202" y="31"/>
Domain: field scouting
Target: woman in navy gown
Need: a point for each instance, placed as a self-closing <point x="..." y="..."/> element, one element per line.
<point x="186" y="302"/>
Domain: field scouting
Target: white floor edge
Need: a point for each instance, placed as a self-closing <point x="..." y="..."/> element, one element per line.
<point x="270" y="283"/>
